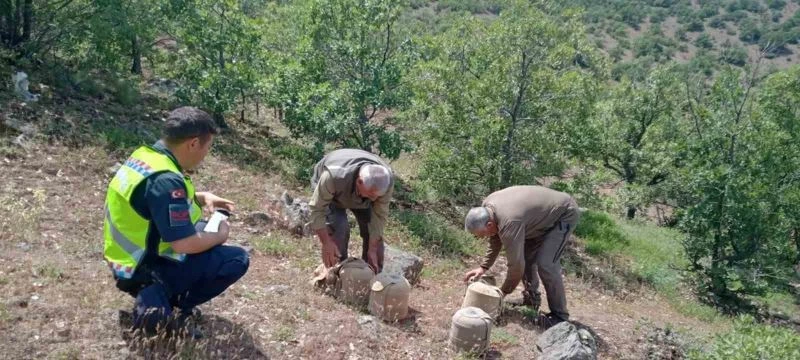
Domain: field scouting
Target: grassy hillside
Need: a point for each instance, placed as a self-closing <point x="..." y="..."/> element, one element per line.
<point x="703" y="33"/>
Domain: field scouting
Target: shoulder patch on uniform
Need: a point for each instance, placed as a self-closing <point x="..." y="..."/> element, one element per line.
<point x="179" y="215"/>
<point x="178" y="194"/>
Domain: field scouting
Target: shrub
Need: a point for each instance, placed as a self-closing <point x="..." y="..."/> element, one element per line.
<point x="750" y="340"/>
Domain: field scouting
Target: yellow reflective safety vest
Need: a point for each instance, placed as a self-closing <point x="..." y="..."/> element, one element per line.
<point x="124" y="230"/>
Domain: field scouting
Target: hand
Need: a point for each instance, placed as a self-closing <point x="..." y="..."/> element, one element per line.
<point x="372" y="258"/>
<point x="474" y="273"/>
<point x="330" y="253"/>
<point x="211" y="202"/>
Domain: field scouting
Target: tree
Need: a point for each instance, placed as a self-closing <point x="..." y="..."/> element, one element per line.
<point x="636" y="134"/>
<point x="704" y="41"/>
<point x="16" y="22"/>
<point x="741" y="186"/>
<point x="344" y="79"/>
<point x="221" y="55"/>
<point x="500" y="101"/>
<point x="126" y="30"/>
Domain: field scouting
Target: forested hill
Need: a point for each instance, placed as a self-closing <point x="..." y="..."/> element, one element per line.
<point x="703" y="33"/>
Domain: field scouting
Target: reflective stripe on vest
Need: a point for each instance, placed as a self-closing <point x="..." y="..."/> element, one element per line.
<point x="125" y="231"/>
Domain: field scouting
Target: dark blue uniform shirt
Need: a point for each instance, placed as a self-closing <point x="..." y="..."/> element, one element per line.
<point x="162" y="199"/>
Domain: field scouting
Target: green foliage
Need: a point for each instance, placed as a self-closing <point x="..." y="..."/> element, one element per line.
<point x="733" y="54"/>
<point x="635" y="133"/>
<point x="344" y="77"/>
<point x="750" y="340"/>
<point x="220" y="58"/>
<point x="497" y="101"/>
<point x="704" y="41"/>
<point x="434" y="234"/>
<point x="659" y="47"/>
<point x="749" y="31"/>
<point x="471" y="6"/>
<point x="740" y="188"/>
<point x="601" y="233"/>
<point x="274" y="245"/>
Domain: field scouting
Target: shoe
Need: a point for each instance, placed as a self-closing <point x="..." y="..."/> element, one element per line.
<point x="549" y="320"/>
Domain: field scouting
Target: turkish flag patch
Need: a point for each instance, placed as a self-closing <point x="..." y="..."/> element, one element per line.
<point x="178" y="194"/>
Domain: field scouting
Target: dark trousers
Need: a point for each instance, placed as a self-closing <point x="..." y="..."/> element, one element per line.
<point x="200" y="278"/>
<point x="340" y="231"/>
<point x="543" y="257"/>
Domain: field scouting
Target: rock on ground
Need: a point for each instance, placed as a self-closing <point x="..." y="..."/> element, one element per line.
<point x="397" y="261"/>
<point x="564" y="341"/>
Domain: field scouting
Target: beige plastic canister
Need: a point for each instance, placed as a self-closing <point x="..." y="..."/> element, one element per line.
<point x="388" y="299"/>
<point x="354" y="280"/>
<point x="471" y="330"/>
<point x="485" y="297"/>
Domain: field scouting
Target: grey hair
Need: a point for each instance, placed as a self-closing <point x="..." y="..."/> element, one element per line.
<point x="376" y="177"/>
<point x="476" y="219"/>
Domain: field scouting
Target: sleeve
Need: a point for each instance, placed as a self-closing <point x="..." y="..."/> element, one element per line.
<point x="492" y="252"/>
<point x="169" y="207"/>
<point x="320" y="200"/>
<point x="512" y="236"/>
<point x="380" y="214"/>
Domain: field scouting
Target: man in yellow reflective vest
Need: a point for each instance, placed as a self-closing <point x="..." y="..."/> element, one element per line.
<point x="153" y="238"/>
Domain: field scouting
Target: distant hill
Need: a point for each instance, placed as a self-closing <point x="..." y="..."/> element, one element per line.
<point x="702" y="33"/>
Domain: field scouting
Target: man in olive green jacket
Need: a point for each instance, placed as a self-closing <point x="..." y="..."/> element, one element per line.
<point x="362" y="182"/>
<point x="533" y="223"/>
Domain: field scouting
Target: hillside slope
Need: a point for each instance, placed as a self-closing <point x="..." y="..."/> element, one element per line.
<point x="59" y="300"/>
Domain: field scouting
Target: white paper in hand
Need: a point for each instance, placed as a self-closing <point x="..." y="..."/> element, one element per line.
<point x="213" y="223"/>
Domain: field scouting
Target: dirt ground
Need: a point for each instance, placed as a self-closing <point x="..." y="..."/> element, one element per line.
<point x="58" y="300"/>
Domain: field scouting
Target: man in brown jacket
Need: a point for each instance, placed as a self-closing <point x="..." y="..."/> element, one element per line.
<point x="533" y="224"/>
<point x="362" y="182"/>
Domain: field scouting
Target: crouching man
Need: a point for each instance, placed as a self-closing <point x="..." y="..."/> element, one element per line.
<point x="154" y="243"/>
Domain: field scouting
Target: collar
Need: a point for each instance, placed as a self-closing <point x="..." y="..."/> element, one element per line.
<point x="161" y="147"/>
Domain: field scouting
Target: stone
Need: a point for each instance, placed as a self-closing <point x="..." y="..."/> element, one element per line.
<point x="20" y="80"/>
<point x="370" y="325"/>
<point x="277" y="289"/>
<point x="296" y="214"/>
<point x="564" y="341"/>
<point x="365" y="319"/>
<point x="403" y="263"/>
<point x="257" y="219"/>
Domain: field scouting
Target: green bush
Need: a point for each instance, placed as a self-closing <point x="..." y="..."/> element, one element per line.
<point x="126" y="92"/>
<point x="750" y="340"/>
<point x="117" y="138"/>
<point x="601" y="233"/>
<point x="704" y="41"/>
<point x="434" y="234"/>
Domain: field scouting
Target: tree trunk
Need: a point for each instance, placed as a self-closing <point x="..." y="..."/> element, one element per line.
<point x="17" y="31"/>
<point x="507" y="149"/>
<point x="136" y="55"/>
<point x="631" y="212"/>
<point x="27" y="20"/>
<point x="244" y="104"/>
<point x="796" y="237"/>
<point x="219" y="118"/>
